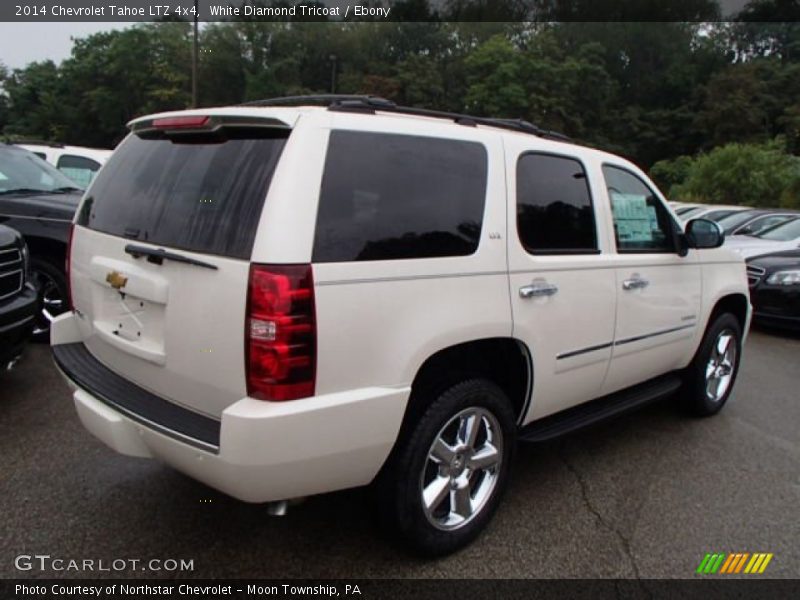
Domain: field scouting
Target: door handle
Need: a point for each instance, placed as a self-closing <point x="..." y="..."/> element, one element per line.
<point x="636" y="282"/>
<point x="538" y="289"/>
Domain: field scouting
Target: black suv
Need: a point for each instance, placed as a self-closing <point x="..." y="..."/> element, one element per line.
<point x="39" y="201"/>
<point x="17" y="296"/>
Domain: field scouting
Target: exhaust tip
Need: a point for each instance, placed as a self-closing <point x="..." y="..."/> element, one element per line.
<point x="277" y="509"/>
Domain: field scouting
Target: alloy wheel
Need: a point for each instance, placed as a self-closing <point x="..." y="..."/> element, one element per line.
<point x="721" y="365"/>
<point x="462" y="468"/>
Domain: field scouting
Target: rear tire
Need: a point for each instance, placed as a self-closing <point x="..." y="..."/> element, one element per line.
<point x="710" y="377"/>
<point x="445" y="478"/>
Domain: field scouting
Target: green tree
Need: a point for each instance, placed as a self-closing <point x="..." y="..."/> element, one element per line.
<point x="756" y="175"/>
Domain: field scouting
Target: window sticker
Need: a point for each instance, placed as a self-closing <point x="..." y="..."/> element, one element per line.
<point x="635" y="220"/>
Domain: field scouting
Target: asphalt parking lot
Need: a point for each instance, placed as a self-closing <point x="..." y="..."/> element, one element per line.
<point x="644" y="496"/>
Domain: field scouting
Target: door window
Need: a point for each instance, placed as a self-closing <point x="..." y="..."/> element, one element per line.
<point x="554" y="206"/>
<point x="641" y="222"/>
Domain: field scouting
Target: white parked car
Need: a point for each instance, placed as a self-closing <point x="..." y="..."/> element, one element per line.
<point x="783" y="236"/>
<point x="282" y="301"/>
<point x="713" y="212"/>
<point x="76" y="162"/>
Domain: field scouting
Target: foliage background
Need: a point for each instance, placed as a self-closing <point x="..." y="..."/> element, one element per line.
<point x="711" y="108"/>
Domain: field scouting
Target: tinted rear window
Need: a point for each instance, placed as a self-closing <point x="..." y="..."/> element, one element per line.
<point x="387" y="196"/>
<point x="202" y="197"/>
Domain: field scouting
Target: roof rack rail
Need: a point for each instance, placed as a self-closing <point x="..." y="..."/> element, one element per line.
<point x="325" y="100"/>
<point x="367" y="103"/>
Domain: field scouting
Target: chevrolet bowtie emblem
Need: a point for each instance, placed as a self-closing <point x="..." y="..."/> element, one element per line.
<point x="116" y="279"/>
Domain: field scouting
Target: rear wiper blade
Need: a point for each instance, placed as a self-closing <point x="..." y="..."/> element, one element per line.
<point x="67" y="188"/>
<point x="158" y="256"/>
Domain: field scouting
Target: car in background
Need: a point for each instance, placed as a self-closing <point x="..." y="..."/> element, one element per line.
<point x="765" y="221"/>
<point x="774" y="281"/>
<point x="713" y="212"/>
<point x="755" y="220"/>
<point x="686" y="209"/>
<point x="17" y="297"/>
<point x="76" y="162"/>
<point x="39" y="201"/>
<point x="784" y="236"/>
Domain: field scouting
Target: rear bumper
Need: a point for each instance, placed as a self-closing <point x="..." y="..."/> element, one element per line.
<point x="266" y="450"/>
<point x="16" y="322"/>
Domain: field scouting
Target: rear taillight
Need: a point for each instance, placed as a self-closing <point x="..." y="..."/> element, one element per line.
<point x="70" y="305"/>
<point x="281" y="332"/>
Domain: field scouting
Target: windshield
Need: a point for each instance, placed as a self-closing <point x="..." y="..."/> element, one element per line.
<point x="716" y="215"/>
<point x="681" y="210"/>
<point x="689" y="211"/>
<point x="733" y="221"/>
<point x="24" y="172"/>
<point x="762" y="224"/>
<point x="784" y="232"/>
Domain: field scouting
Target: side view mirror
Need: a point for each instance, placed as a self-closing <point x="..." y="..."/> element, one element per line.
<point x="704" y="233"/>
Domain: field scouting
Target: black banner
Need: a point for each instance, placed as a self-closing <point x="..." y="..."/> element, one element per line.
<point x="398" y="10"/>
<point x="403" y="589"/>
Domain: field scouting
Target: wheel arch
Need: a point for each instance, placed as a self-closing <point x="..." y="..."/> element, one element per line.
<point x="506" y="361"/>
<point x="737" y="304"/>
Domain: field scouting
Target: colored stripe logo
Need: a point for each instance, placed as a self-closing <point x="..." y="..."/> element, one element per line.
<point x="735" y="562"/>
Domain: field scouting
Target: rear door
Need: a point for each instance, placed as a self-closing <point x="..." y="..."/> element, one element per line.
<point x="161" y="254"/>
<point x="563" y="295"/>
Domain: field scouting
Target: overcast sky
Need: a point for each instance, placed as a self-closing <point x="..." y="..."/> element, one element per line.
<point x="21" y="43"/>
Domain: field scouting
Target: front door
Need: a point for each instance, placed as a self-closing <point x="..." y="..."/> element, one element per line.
<point x="658" y="290"/>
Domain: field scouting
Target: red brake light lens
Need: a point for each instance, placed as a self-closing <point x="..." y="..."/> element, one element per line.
<point x="180" y="122"/>
<point x="281" y="332"/>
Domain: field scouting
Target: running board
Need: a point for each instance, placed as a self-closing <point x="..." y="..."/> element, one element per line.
<point x="592" y="412"/>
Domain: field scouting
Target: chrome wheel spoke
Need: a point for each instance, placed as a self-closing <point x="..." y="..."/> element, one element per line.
<point x="436" y="492"/>
<point x="468" y="429"/>
<point x="461" y="501"/>
<point x="486" y="458"/>
<point x="442" y="452"/>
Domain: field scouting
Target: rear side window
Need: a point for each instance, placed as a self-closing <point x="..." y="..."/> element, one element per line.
<point x="554" y="207"/>
<point x="387" y="196"/>
<point x="193" y="195"/>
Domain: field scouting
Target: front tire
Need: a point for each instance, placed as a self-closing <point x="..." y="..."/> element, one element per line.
<point x="445" y="479"/>
<point x="711" y="375"/>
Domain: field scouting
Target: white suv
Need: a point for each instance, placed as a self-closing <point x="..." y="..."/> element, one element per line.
<point x="76" y="162"/>
<point x="288" y="300"/>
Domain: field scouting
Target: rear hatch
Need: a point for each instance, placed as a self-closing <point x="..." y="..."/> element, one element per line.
<point x="161" y="253"/>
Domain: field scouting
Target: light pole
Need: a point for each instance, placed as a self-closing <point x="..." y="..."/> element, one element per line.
<point x="194" y="56"/>
<point x="333" y="73"/>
